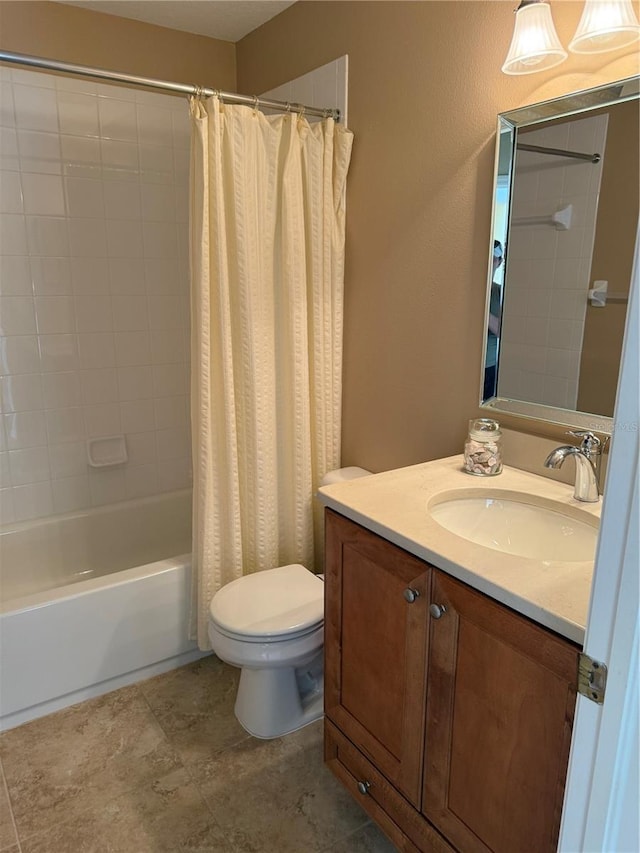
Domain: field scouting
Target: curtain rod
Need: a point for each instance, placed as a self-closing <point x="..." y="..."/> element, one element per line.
<point x="559" y="152"/>
<point x="149" y="82"/>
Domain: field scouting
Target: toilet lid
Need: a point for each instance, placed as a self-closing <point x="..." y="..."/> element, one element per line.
<point x="275" y="602"/>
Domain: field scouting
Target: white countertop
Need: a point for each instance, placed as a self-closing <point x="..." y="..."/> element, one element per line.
<point x="393" y="504"/>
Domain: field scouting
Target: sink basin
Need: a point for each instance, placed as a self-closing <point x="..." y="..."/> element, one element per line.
<point x="517" y="523"/>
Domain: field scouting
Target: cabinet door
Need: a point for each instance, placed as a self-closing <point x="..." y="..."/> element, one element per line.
<point x="501" y="698"/>
<point x="375" y="649"/>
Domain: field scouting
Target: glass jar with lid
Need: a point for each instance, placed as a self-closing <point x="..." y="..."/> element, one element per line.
<point x="483" y="448"/>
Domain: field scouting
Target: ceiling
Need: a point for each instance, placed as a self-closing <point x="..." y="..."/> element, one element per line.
<point x="228" y="20"/>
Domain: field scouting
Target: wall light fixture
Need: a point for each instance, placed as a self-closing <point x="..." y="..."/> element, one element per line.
<point x="605" y="25"/>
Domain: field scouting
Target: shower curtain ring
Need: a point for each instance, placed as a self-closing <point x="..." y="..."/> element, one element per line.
<point x="256" y="101"/>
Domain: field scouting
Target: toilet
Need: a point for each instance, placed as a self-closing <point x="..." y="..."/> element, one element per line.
<point x="270" y="624"/>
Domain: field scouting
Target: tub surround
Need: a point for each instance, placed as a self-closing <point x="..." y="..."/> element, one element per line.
<point x="394" y="504"/>
<point x="94" y="292"/>
<point x="43" y="555"/>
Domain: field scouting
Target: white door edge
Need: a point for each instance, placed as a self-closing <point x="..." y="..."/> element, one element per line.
<point x="601" y="799"/>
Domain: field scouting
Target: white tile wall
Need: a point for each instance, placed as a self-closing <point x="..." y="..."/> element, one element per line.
<point x="549" y="270"/>
<point x="94" y="294"/>
<point x="325" y="86"/>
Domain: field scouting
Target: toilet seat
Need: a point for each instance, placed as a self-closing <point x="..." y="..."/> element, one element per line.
<point x="279" y="604"/>
<point x="271" y="639"/>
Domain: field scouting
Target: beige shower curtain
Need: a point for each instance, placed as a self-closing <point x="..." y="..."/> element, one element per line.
<point x="267" y="258"/>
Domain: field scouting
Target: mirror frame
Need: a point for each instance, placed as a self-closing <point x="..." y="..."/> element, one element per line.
<point x="508" y="125"/>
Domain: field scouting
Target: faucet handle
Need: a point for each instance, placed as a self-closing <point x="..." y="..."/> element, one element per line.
<point x="591" y="444"/>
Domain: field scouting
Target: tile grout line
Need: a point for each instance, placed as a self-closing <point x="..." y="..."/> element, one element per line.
<point x="127" y="790"/>
<point x="187" y="767"/>
<point x="186" y="764"/>
<point x="13" y="820"/>
<point x="351" y="834"/>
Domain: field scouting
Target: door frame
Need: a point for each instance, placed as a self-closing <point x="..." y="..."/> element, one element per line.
<point x="601" y="797"/>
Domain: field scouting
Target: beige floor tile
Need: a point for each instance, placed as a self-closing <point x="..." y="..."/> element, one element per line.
<point x="7" y="831"/>
<point x="194" y="706"/>
<point x="369" y="839"/>
<point x="59" y="766"/>
<point x="106" y="776"/>
<point x="277" y="796"/>
<point x="167" y="816"/>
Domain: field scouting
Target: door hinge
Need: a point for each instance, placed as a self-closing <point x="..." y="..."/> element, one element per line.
<point x="592" y="678"/>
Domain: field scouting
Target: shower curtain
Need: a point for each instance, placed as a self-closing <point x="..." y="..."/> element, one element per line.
<point x="267" y="259"/>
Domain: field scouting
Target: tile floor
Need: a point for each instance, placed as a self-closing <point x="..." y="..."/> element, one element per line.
<point x="164" y="767"/>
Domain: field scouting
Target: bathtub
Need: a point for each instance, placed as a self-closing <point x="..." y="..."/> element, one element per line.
<point x="92" y="601"/>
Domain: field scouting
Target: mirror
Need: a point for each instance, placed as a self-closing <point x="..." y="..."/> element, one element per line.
<point x="564" y="228"/>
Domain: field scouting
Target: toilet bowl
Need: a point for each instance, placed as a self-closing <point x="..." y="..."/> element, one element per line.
<point x="270" y="624"/>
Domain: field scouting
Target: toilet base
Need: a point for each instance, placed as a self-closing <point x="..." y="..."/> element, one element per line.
<point x="272" y="702"/>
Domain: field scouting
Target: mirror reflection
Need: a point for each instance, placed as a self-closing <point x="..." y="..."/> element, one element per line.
<point x="564" y="231"/>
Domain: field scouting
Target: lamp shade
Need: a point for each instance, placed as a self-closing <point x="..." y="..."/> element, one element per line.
<point x="605" y="25"/>
<point x="535" y="45"/>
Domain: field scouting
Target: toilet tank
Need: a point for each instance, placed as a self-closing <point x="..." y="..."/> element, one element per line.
<point x="340" y="475"/>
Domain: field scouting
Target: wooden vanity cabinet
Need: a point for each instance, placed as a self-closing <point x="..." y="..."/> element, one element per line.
<point x="448" y="716"/>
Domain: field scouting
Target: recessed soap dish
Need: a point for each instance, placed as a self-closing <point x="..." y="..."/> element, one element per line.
<point x="106" y="451"/>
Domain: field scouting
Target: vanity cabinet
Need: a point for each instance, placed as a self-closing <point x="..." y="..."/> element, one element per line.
<point x="447" y="715"/>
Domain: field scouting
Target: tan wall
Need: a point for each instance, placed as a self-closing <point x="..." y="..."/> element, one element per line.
<point x="70" y="34"/>
<point x="424" y="90"/>
<point x="612" y="260"/>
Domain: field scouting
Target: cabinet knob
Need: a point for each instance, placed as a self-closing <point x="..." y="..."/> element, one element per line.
<point x="363" y="787"/>
<point x="411" y="594"/>
<point x="437" y="610"/>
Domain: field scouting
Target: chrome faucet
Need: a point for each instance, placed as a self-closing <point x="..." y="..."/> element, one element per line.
<point x="587" y="458"/>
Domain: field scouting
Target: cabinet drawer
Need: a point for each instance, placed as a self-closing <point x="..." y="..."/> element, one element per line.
<point x="381" y="801"/>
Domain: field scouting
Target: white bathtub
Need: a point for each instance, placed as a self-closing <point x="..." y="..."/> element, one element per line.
<point x="92" y="601"/>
